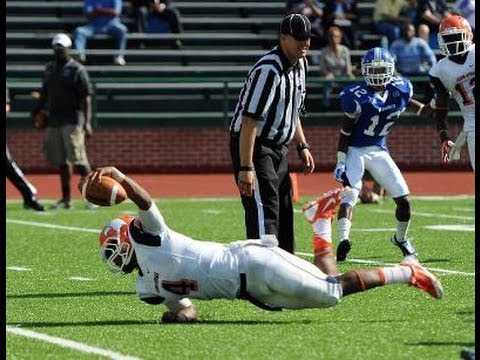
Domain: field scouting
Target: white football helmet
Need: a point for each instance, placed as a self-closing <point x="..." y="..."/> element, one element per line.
<point x="378" y="67"/>
<point x="116" y="249"/>
<point x="454" y="35"/>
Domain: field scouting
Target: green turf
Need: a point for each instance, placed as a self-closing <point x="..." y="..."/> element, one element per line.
<point x="395" y="322"/>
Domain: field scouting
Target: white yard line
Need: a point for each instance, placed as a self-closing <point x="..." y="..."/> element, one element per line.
<point x="18" y="268"/>
<point x="54" y="226"/>
<point x="444" y="216"/>
<point x="68" y="343"/>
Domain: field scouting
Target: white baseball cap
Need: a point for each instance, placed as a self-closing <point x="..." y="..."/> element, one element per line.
<point x="62" y="39"/>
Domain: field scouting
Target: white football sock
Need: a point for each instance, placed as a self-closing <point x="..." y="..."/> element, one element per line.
<point x="344" y="226"/>
<point x="323" y="228"/>
<point x="397" y="274"/>
<point x="402" y="228"/>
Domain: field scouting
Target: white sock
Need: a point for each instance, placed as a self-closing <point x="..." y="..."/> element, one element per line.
<point x="402" y="228"/>
<point x="397" y="274"/>
<point x="344" y="226"/>
<point x="323" y="228"/>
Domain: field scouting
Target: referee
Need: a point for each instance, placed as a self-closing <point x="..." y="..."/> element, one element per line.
<point x="16" y="176"/>
<point x="265" y="121"/>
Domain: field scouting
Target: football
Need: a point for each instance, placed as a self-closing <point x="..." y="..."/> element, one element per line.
<point x="106" y="192"/>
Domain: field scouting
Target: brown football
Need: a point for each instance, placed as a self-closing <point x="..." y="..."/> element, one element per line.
<point x="106" y="192"/>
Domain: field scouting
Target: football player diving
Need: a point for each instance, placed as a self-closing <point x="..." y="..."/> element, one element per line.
<point x="172" y="268"/>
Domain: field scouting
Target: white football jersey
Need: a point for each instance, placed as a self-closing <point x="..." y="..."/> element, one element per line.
<point x="459" y="80"/>
<point x="181" y="267"/>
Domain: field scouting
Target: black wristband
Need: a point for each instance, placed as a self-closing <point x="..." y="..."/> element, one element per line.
<point x="246" y="168"/>
<point x="302" y="146"/>
<point x="443" y="135"/>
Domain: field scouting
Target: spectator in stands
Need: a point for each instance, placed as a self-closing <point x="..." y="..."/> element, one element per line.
<point x="423" y="32"/>
<point x="312" y="9"/>
<point x="344" y="14"/>
<point x="413" y="56"/>
<point x="411" y="11"/>
<point x="334" y="62"/>
<point x="139" y="10"/>
<point x="103" y="17"/>
<point x="16" y="176"/>
<point x="466" y="9"/>
<point x="431" y="13"/>
<point x="65" y="96"/>
<point x="164" y="9"/>
<point x="388" y="17"/>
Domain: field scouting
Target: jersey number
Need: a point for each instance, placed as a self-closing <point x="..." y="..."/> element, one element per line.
<point x="466" y="98"/>
<point x="370" y="131"/>
<point x="180" y="287"/>
<point x="359" y="92"/>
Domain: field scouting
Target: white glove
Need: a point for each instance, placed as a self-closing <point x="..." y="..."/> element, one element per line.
<point x="339" y="172"/>
<point x="456" y="149"/>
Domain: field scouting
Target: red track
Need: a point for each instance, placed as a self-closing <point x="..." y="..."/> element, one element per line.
<point x="222" y="185"/>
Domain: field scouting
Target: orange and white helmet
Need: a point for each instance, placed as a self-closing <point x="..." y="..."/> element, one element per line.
<point x="454" y="35"/>
<point x="115" y="246"/>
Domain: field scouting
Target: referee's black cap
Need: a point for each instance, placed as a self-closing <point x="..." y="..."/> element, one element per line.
<point x="297" y="25"/>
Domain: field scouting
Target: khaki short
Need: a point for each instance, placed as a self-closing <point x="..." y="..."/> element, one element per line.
<point x="65" y="144"/>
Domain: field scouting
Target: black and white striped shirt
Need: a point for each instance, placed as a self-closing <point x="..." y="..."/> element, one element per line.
<point x="274" y="95"/>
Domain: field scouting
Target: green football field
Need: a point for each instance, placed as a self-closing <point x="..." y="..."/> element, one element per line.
<point x="62" y="303"/>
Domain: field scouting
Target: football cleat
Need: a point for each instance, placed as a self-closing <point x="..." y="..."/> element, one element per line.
<point x="324" y="207"/>
<point x="405" y="246"/>
<point x="343" y="249"/>
<point x="424" y="280"/>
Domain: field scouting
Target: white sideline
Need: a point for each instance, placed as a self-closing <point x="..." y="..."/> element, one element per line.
<point x="53" y="226"/>
<point x="68" y="343"/>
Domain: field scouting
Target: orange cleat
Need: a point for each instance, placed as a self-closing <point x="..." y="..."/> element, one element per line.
<point x="324" y="207"/>
<point x="424" y="280"/>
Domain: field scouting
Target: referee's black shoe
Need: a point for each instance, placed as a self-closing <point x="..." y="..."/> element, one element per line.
<point x="343" y="249"/>
<point x="33" y="204"/>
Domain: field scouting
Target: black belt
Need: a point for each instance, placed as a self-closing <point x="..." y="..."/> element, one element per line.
<point x="244" y="295"/>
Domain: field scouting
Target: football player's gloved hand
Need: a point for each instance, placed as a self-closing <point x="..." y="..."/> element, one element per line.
<point x="339" y="172"/>
<point x="446" y="146"/>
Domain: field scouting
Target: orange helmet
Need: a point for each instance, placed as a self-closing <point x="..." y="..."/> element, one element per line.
<point x="115" y="246"/>
<point x="454" y="35"/>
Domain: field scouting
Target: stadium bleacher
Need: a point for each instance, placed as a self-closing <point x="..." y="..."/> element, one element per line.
<point x="200" y="81"/>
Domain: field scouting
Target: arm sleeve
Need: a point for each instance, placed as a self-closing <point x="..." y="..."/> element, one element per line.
<point x="260" y="92"/>
<point x="350" y="106"/>
<point x="152" y="221"/>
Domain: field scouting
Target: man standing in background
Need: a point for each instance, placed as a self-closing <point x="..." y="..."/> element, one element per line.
<point x="65" y="95"/>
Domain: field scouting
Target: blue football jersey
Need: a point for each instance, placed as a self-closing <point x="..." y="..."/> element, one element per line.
<point x="375" y="113"/>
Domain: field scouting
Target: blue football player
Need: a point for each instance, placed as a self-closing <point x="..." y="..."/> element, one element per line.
<point x="370" y="109"/>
